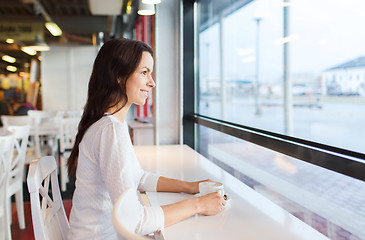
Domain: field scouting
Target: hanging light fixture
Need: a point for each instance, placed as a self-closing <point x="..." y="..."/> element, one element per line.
<point x="53" y="28"/>
<point x="29" y="51"/>
<point x="151" y="1"/>
<point x="8" y="59"/>
<point x="39" y="44"/>
<point x="10" y="40"/>
<point x="145" y="9"/>
<point x="11" y="68"/>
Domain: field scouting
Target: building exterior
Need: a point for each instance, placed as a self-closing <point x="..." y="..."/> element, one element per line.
<point x="345" y="79"/>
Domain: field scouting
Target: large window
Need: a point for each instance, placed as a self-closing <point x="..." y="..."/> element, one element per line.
<point x="249" y="50"/>
<point x="292" y="68"/>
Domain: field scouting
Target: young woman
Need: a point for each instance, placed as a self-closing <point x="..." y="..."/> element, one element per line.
<point x="103" y="157"/>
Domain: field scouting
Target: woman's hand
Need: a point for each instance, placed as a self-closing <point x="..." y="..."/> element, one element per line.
<point x="210" y="204"/>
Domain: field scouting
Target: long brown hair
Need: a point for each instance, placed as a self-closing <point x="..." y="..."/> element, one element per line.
<point x="116" y="61"/>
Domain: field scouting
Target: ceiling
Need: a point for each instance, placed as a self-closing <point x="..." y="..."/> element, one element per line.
<point x="78" y="24"/>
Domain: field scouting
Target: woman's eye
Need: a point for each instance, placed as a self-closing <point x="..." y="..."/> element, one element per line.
<point x="144" y="72"/>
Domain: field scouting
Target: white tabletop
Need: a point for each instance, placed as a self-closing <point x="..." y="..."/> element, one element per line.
<point x="248" y="215"/>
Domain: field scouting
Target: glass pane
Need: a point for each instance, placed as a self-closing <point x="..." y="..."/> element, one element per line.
<point x="330" y="202"/>
<point x="241" y="67"/>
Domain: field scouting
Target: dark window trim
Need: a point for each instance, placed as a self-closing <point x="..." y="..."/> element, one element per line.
<point x="336" y="159"/>
<point x="188" y="72"/>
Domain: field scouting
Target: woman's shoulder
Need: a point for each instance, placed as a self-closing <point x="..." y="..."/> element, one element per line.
<point x="108" y="121"/>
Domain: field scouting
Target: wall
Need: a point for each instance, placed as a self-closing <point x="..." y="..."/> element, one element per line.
<point x="167" y="73"/>
<point x="65" y="74"/>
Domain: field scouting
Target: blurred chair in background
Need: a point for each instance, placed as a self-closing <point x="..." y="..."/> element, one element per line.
<point x="15" y="177"/>
<point x="67" y="134"/>
<point x="69" y="114"/>
<point x="8" y="120"/>
<point x="44" y="130"/>
<point x="6" y="150"/>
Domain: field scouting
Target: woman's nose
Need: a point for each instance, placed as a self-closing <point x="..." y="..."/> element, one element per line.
<point x="151" y="82"/>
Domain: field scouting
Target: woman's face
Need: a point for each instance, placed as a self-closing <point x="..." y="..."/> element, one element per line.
<point x="141" y="82"/>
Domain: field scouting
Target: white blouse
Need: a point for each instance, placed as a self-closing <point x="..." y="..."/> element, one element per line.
<point x="107" y="165"/>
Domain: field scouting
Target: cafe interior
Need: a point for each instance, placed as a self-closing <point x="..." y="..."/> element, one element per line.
<point x="208" y="117"/>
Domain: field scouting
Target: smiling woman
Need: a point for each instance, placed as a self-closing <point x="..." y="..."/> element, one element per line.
<point x="103" y="156"/>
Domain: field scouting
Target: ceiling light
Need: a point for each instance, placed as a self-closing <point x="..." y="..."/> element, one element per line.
<point x="39" y="44"/>
<point x="53" y="29"/>
<point x="145" y="9"/>
<point x="106" y="7"/>
<point x="8" y="58"/>
<point x="29" y="51"/>
<point x="9" y="40"/>
<point x="11" y="68"/>
<point x="151" y="1"/>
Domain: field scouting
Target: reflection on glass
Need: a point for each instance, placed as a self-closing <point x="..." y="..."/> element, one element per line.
<point x="241" y="53"/>
<point x="330" y="202"/>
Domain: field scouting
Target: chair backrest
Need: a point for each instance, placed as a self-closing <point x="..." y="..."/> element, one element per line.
<point x="6" y="147"/>
<point x="15" y="120"/>
<point x="126" y="214"/>
<point x="49" y="219"/>
<point x="40" y="116"/>
<point x="67" y="132"/>
<point x="69" y="114"/>
<point x="21" y="136"/>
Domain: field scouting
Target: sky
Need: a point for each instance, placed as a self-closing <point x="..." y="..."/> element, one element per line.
<point x="324" y="33"/>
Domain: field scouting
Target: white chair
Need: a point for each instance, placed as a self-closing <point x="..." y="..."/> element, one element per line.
<point x="15" y="177"/>
<point x="125" y="215"/>
<point x="49" y="219"/>
<point x="69" y="114"/>
<point x="8" y="120"/>
<point x="44" y="125"/>
<point x="67" y="134"/>
<point x="6" y="147"/>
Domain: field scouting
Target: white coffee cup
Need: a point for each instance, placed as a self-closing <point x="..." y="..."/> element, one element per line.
<point x="209" y="187"/>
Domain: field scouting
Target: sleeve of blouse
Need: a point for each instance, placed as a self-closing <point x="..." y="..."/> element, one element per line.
<point x="148" y="182"/>
<point x="114" y="160"/>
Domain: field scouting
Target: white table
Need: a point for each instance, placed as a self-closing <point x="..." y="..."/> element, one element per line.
<point x="248" y="216"/>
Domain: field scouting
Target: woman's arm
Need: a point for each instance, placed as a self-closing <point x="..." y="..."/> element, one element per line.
<point x="165" y="184"/>
<point x="209" y="204"/>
